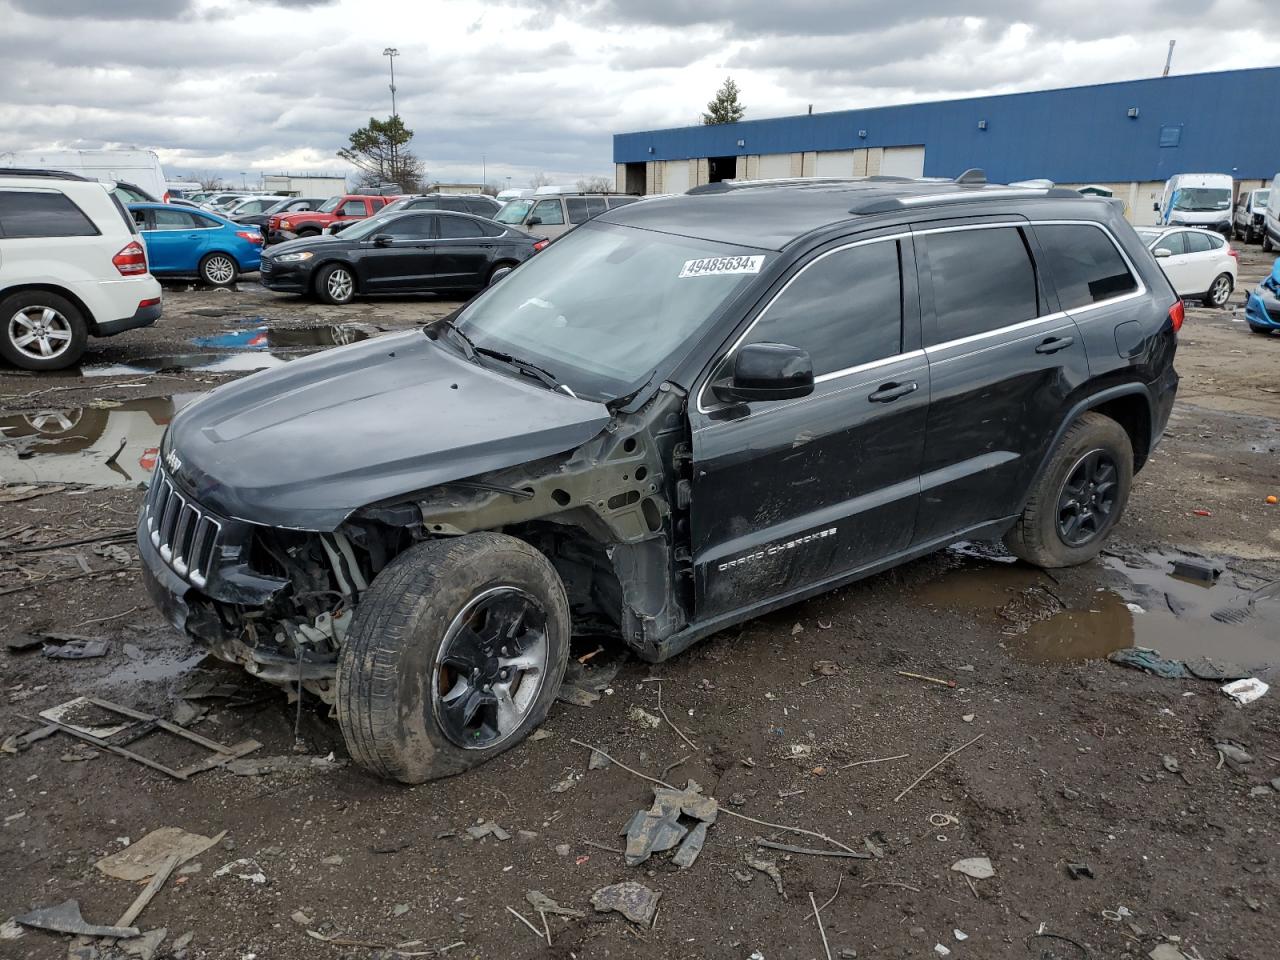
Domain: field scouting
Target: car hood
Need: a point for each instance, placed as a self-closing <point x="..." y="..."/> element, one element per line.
<point x="305" y="243"/>
<point x="304" y="445"/>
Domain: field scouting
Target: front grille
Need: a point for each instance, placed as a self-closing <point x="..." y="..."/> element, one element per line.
<point x="185" y="535"/>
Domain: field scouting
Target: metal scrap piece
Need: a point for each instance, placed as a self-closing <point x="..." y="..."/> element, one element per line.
<point x="633" y="900"/>
<point x="691" y="847"/>
<point x="541" y="903"/>
<point x="652" y="831"/>
<point x="770" y="870"/>
<point x="65" y="918"/>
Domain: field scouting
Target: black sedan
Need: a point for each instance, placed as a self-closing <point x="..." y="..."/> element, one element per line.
<point x="414" y="252"/>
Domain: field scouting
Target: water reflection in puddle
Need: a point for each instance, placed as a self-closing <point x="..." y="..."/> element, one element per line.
<point x="74" y="444"/>
<point x="199" y="362"/>
<point x="1233" y="618"/>
<point x="286" y="338"/>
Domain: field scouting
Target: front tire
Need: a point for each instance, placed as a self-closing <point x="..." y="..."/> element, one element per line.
<point x="219" y="270"/>
<point x="336" y="284"/>
<point x="1079" y="498"/>
<point x="41" y="331"/>
<point x="1219" y="291"/>
<point x="455" y="654"/>
<point x="1266" y="242"/>
<point x="498" y="272"/>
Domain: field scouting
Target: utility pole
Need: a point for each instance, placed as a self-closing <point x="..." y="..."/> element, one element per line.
<point x="1168" y="61"/>
<point x="483" y="176"/>
<point x="391" y="53"/>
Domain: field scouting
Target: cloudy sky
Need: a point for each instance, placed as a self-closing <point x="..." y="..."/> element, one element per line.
<point x="262" y="86"/>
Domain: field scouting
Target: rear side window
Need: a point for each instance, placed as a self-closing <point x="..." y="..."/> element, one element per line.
<point x="454" y="204"/>
<point x="481" y="208"/>
<point x="1085" y="265"/>
<point x="982" y="280"/>
<point x="844" y="308"/>
<point x="577" y="207"/>
<point x="459" y="228"/>
<point x="175" y="220"/>
<point x="204" y="223"/>
<point x="1198" y="243"/>
<point x="25" y="214"/>
<point x="490" y="229"/>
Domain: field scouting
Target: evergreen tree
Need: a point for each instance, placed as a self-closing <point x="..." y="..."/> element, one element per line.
<point x="725" y="107"/>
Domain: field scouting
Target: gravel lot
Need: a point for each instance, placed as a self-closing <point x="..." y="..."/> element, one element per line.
<point x="1073" y="765"/>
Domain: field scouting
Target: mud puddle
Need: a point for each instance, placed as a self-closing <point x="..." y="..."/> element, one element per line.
<point x="262" y="337"/>
<point x="246" y="362"/>
<point x="163" y="667"/>
<point x="98" y="445"/>
<point x="1231" y="617"/>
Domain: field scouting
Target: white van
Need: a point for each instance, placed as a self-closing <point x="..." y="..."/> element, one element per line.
<point x="1197" y="200"/>
<point x="139" y="167"/>
<point x="1271" y="219"/>
<point x="183" y="188"/>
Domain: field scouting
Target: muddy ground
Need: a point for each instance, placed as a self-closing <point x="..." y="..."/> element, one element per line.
<point x="1073" y="765"/>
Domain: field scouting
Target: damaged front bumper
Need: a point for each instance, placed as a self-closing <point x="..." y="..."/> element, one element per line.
<point x="1262" y="310"/>
<point x="196" y="567"/>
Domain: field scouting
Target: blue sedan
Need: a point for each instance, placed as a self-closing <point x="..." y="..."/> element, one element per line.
<point x="182" y="242"/>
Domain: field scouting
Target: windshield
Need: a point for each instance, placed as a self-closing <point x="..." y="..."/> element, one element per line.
<point x="367" y="228"/>
<point x="514" y="211"/>
<point x="330" y="205"/>
<point x="279" y="206"/>
<point x="604" y="305"/>
<point x="1201" y="198"/>
<point x="1260" y="197"/>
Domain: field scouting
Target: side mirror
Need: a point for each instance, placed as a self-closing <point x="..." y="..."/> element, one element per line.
<point x="533" y="221"/>
<point x="767" y="371"/>
<point x="382" y="240"/>
<point x="1163" y="252"/>
<point x="1156" y="206"/>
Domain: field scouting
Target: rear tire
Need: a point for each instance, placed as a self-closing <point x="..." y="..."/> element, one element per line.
<point x="308" y="233"/>
<point x="41" y="331"/>
<point x="421" y="693"/>
<point x="1219" y="291"/>
<point x="1039" y="536"/>
<point x="1266" y="242"/>
<point x="336" y="284"/>
<point x="219" y="270"/>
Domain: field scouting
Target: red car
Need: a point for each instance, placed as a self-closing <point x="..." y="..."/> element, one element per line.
<point x="311" y="223"/>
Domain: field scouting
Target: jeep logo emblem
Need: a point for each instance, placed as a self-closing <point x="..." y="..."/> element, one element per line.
<point x="173" y="461"/>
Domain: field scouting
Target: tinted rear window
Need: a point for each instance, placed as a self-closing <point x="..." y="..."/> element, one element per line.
<point x="982" y="280"/>
<point x="1085" y="265"/>
<point x="26" y="214"/>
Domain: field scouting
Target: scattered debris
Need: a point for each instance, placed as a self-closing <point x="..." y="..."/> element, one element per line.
<point x="944" y="759"/>
<point x="143" y="859"/>
<point x="583" y="684"/>
<point x="541" y="903"/>
<point x="633" y="900"/>
<point x="1210" y="668"/>
<point x="489" y="828"/>
<point x="926" y="679"/>
<point x="941" y="951"/>
<point x="1170" y="763"/>
<point x="808" y="851"/>
<point x="770" y="869"/>
<point x="300" y="918"/>
<point x="979" y="868"/>
<point x="1189" y="568"/>
<point x="1245" y="691"/>
<point x="960" y="935"/>
<point x="1230" y="751"/>
<point x="523" y="919"/>
<point x="1142" y="658"/>
<point x="825" y="668"/>
<point x="11" y="930"/>
<point x="16" y="743"/>
<point x="1167" y="951"/>
<point x="817" y="916"/>
<point x="261" y="766"/>
<point x="659" y="828"/>
<point x="644" y="718"/>
<point x="146" y="946"/>
<point x="76" y="650"/>
<point x="1076" y="871"/>
<point x="66" y="918"/>
<point x="252" y="872"/>
<point x="598" y="761"/>
<point x="859" y="763"/>
<point x="565" y="784"/>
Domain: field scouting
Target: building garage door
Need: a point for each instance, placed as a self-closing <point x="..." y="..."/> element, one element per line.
<point x="902" y="162"/>
<point x="775" y="166"/>
<point x="676" y="178"/>
<point x="833" y="163"/>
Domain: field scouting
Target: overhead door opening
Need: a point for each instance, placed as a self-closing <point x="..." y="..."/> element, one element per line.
<point x="721" y="168"/>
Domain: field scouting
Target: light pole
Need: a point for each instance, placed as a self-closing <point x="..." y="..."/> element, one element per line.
<point x="391" y="53"/>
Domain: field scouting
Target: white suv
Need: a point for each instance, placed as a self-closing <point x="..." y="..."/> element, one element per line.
<point x="71" y="266"/>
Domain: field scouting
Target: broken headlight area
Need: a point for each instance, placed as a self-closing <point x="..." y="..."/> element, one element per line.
<point x="293" y="635"/>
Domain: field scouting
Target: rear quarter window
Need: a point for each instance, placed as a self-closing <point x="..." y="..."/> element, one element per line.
<point x="25" y="214"/>
<point x="982" y="280"/>
<point x="1084" y="264"/>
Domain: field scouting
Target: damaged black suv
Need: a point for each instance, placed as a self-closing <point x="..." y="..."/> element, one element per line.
<point x="683" y="414"/>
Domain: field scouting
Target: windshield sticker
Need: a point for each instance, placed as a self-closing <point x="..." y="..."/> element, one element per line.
<point x="714" y="266"/>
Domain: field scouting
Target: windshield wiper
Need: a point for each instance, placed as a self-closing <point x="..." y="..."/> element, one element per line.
<point x="468" y="348"/>
<point x="545" y="377"/>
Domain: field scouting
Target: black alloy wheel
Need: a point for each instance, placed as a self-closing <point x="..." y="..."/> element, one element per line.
<point x="490" y="667"/>
<point x="1087" y="498"/>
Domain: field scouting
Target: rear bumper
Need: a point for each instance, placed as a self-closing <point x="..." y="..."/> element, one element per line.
<point x="144" y="316"/>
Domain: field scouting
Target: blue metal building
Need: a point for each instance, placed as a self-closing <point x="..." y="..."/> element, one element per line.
<point x="1138" y="131"/>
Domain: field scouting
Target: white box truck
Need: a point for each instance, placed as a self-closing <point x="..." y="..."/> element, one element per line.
<point x="138" y="167"/>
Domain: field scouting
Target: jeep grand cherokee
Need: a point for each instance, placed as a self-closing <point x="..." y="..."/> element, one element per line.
<point x="686" y="413"/>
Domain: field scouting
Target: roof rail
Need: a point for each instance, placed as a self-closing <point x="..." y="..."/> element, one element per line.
<point x="974" y="176"/>
<point x="49" y="174"/>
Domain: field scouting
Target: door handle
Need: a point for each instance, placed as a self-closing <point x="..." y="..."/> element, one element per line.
<point x="1054" y="344"/>
<point x="889" y="392"/>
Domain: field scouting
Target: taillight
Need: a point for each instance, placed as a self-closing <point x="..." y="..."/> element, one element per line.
<point x="1177" y="313"/>
<point x="541" y="245"/>
<point x="132" y="260"/>
<point x="252" y="236"/>
<point x="166" y="197"/>
<point x="151" y="302"/>
<point x="1233" y="252"/>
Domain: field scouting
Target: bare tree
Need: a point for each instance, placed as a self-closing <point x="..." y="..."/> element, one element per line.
<point x="539" y="179"/>
<point x="209" y="182"/>
<point x="595" y="185"/>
